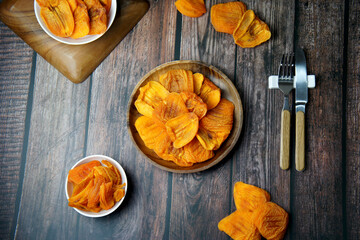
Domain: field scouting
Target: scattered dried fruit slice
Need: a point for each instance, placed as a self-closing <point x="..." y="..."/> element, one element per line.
<point x="191" y="8"/>
<point x="182" y="129"/>
<point x="151" y="95"/>
<point x="251" y="31"/>
<point x="58" y="18"/>
<point x="172" y="106"/>
<point x="225" y="16"/>
<point x="210" y="94"/>
<point x="82" y="21"/>
<point x="249" y="197"/>
<point x="178" y="80"/>
<point x="194" y="104"/>
<point x="271" y="220"/>
<point x="238" y="225"/>
<point x="195" y="153"/>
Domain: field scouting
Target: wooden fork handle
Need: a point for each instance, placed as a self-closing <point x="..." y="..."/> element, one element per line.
<point x="285" y="140"/>
<point x="300" y="141"/>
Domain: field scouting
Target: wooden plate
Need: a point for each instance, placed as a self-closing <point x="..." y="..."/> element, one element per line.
<point x="228" y="91"/>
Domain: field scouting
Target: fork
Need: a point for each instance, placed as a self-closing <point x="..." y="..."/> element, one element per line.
<point x="285" y="79"/>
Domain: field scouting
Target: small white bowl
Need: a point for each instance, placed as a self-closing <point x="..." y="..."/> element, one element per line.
<point x="69" y="185"/>
<point x="73" y="41"/>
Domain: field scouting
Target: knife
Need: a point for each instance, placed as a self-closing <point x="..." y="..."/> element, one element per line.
<point x="301" y="98"/>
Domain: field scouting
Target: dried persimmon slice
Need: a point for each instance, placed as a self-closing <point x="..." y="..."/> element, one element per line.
<point x="249" y="197"/>
<point x="239" y="225"/>
<point x="178" y="80"/>
<point x="194" y="104"/>
<point x="149" y="131"/>
<point x="271" y="220"/>
<point x="151" y="95"/>
<point x="82" y="20"/>
<point x="182" y="129"/>
<point x="216" y="126"/>
<point x="195" y="153"/>
<point x="191" y="8"/>
<point x="210" y="94"/>
<point x="172" y="106"/>
<point x="225" y="16"/>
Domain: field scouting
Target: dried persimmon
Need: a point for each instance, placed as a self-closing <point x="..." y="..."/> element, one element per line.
<point x="76" y="175"/>
<point x="249" y="197"/>
<point x="210" y="94"/>
<point x="149" y="130"/>
<point x="195" y="153"/>
<point x="182" y="129"/>
<point x="98" y="17"/>
<point x="271" y="220"/>
<point x="238" y="225"/>
<point x="191" y="8"/>
<point x="198" y="81"/>
<point x="178" y="80"/>
<point x="58" y="18"/>
<point x="194" y="104"/>
<point x="172" y="106"/>
<point x="225" y="16"/>
<point x="82" y="21"/>
<point x="251" y="31"/>
<point x="215" y="127"/>
<point x="151" y="95"/>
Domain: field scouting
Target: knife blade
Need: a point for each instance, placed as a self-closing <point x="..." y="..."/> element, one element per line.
<point x="301" y="98"/>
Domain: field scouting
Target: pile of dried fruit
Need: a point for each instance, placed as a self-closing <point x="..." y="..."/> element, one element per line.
<point x="233" y="18"/>
<point x="185" y="118"/>
<point x="95" y="187"/>
<point x="75" y="18"/>
<point x="255" y="215"/>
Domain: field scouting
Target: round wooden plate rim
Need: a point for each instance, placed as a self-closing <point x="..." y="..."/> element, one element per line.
<point x="226" y="151"/>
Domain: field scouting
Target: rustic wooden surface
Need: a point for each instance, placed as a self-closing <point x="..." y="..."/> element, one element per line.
<point x="47" y="123"/>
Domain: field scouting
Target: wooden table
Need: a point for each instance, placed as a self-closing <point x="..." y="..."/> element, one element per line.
<point x="47" y="123"/>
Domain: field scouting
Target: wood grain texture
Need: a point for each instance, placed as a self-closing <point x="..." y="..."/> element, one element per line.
<point x="321" y="183"/>
<point x="144" y="211"/>
<point x="352" y="179"/>
<point x="259" y="152"/>
<point x="15" y="74"/>
<point x="75" y="62"/>
<point x="199" y="41"/>
<point x="56" y="143"/>
<point x="285" y="140"/>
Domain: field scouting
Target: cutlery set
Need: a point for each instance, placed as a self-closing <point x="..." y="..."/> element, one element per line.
<point x="286" y="80"/>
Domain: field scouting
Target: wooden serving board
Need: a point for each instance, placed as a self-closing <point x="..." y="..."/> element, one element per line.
<point x="74" y="62"/>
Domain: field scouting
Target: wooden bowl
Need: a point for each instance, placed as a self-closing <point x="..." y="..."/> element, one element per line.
<point x="228" y="91"/>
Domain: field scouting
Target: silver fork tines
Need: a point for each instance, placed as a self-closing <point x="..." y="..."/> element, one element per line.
<point x="286" y="77"/>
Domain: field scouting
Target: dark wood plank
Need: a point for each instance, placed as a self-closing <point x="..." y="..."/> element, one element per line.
<point x="144" y="211"/>
<point x="203" y="199"/>
<point x="317" y="192"/>
<point x="258" y="157"/>
<point x="56" y="142"/>
<point x="15" y="73"/>
<point x="353" y="123"/>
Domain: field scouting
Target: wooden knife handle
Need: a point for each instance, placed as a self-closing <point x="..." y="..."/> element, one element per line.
<point x="300" y="141"/>
<point x="285" y="140"/>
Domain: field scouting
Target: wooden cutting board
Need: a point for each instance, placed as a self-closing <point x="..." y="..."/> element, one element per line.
<point x="74" y="62"/>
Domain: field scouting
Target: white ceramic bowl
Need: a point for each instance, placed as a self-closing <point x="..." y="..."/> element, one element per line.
<point x="78" y="41"/>
<point x="69" y="185"/>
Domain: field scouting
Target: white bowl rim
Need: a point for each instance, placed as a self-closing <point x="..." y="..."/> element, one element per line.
<point x="90" y="158"/>
<point x="78" y="41"/>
